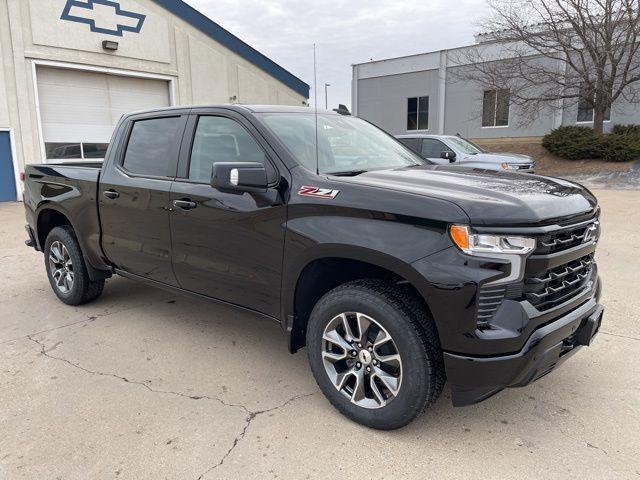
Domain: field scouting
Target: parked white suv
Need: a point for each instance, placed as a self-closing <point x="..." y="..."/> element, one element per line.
<point x="445" y="149"/>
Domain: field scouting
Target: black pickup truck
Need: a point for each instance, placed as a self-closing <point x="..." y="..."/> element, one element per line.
<point x="396" y="274"/>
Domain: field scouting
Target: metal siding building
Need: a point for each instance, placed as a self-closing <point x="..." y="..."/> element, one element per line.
<point x="62" y="89"/>
<point x="381" y="91"/>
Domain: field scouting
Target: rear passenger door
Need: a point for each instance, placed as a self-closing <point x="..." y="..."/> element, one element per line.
<point x="227" y="245"/>
<point x="134" y="195"/>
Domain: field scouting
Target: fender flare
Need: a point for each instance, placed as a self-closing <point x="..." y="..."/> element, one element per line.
<point x="293" y="272"/>
<point x="94" y="272"/>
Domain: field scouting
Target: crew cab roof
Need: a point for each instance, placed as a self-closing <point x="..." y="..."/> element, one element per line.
<point x="424" y="135"/>
<point x="240" y="108"/>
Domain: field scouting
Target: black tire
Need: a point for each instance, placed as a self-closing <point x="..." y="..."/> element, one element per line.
<point x="414" y="333"/>
<point x="83" y="289"/>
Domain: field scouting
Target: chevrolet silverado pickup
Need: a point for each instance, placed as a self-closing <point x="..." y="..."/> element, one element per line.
<point x="396" y="274"/>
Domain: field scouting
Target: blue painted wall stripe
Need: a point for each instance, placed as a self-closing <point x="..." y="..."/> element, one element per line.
<point x="233" y="43"/>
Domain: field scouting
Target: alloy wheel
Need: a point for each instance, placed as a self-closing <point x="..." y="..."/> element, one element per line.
<point x="61" y="267"/>
<point x="361" y="360"/>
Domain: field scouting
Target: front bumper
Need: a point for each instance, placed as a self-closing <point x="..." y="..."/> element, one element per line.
<point x="475" y="378"/>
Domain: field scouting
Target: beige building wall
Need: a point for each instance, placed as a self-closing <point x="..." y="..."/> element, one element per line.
<point x="200" y="70"/>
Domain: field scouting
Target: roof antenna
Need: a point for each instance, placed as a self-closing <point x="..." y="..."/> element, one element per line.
<point x="315" y="106"/>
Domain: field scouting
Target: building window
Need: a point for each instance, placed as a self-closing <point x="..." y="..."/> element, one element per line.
<point x="495" y="108"/>
<point x="585" y="109"/>
<point x="418" y="113"/>
<point x="75" y="151"/>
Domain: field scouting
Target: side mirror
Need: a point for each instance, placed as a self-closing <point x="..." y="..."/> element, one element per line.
<point x="239" y="177"/>
<point x="448" y="155"/>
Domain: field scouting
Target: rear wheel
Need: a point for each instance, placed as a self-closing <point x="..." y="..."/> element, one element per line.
<point x="375" y="353"/>
<point x="66" y="269"/>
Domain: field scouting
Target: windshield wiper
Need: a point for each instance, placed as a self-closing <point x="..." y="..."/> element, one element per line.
<point x="347" y="173"/>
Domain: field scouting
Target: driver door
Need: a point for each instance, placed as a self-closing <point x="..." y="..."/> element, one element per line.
<point x="227" y="245"/>
<point x="432" y="149"/>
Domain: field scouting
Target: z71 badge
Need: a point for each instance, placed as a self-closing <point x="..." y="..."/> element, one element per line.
<point x="318" y="192"/>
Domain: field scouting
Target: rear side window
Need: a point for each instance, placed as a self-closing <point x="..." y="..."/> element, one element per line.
<point x="220" y="139"/>
<point x="151" y="145"/>
<point x="412" y="143"/>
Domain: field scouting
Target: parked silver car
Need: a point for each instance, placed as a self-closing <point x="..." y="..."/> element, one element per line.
<point x="450" y="149"/>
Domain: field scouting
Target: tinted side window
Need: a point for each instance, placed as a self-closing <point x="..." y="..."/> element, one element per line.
<point x="412" y="143"/>
<point x="432" y="148"/>
<point x="220" y="139"/>
<point x="151" y="145"/>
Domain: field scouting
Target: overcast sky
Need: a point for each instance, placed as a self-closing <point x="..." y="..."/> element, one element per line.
<point x="345" y="32"/>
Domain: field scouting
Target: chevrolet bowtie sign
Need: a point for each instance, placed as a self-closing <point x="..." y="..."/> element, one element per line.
<point x="103" y="16"/>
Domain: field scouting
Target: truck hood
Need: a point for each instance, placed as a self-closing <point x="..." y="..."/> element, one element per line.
<point x="489" y="197"/>
<point x="498" y="158"/>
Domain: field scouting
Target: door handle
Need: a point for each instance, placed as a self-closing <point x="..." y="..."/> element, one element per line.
<point x="185" y="204"/>
<point x="112" y="194"/>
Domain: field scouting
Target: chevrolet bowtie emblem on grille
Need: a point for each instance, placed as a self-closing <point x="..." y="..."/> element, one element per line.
<point x="103" y="16"/>
<point x="591" y="233"/>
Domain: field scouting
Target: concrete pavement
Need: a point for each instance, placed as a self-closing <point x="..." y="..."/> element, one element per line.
<point x="146" y="384"/>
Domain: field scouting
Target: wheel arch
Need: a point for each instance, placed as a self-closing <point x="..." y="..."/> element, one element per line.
<point x="334" y="265"/>
<point x="49" y="216"/>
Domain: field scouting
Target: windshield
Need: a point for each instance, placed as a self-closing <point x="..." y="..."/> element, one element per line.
<point x="345" y="144"/>
<point x="466" y="146"/>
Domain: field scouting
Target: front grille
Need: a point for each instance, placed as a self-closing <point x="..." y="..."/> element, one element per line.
<point x="563" y="239"/>
<point x="567" y="238"/>
<point x="548" y="289"/>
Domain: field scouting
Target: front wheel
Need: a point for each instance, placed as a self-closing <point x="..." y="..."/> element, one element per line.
<point x="66" y="269"/>
<point x="375" y="353"/>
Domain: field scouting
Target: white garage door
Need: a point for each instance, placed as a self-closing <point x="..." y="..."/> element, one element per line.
<point x="79" y="109"/>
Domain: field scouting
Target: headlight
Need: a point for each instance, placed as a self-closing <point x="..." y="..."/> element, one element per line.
<point x="507" y="166"/>
<point x="511" y="249"/>
<point x="482" y="244"/>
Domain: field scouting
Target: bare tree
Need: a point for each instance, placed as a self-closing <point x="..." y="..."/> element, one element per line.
<point x="550" y="53"/>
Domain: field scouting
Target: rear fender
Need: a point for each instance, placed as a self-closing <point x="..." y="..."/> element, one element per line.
<point x="97" y="268"/>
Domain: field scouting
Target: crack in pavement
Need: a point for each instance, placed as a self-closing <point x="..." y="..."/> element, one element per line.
<point x="45" y="352"/>
<point x="251" y="415"/>
<point x="248" y="420"/>
<point x="89" y="318"/>
<point x="620" y="335"/>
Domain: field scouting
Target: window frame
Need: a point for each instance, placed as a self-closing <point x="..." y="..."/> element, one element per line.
<point x="82" y="157"/>
<point x="495" y="109"/>
<point x="406" y="124"/>
<point x="444" y="144"/>
<point x="182" y="175"/>
<point x="124" y="145"/>
<point x="593" y="114"/>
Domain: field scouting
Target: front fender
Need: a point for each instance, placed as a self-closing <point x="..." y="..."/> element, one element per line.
<point x="385" y="243"/>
